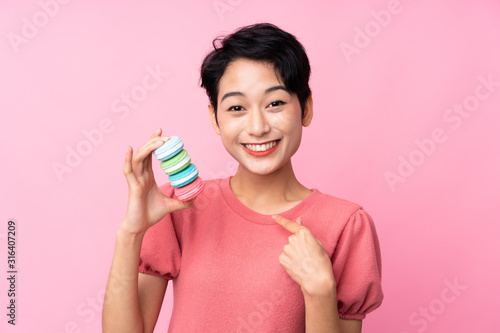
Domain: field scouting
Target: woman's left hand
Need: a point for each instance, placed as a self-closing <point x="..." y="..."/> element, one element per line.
<point x="305" y="259"/>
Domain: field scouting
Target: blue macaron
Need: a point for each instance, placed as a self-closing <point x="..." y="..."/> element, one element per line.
<point x="184" y="177"/>
<point x="169" y="149"/>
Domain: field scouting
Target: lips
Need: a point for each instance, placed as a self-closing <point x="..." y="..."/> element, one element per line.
<point x="263" y="149"/>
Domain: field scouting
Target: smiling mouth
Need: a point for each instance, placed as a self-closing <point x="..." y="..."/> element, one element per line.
<point x="261" y="147"/>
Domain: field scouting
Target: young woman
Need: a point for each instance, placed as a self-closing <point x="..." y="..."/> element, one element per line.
<point x="257" y="251"/>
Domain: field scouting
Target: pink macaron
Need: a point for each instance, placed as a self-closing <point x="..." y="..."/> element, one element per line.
<point x="188" y="192"/>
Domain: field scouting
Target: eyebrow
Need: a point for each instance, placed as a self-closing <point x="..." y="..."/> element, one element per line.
<point x="267" y="91"/>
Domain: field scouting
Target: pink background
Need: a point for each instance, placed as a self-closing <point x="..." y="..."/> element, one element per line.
<point x="64" y="74"/>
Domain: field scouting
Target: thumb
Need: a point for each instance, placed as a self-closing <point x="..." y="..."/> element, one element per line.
<point x="176" y="204"/>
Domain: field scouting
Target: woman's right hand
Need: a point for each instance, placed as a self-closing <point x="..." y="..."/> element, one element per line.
<point x="146" y="203"/>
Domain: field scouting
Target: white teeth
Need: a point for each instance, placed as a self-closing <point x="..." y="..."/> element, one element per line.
<point x="262" y="147"/>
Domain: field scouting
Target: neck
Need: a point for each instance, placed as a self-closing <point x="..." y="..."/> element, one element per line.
<point x="273" y="187"/>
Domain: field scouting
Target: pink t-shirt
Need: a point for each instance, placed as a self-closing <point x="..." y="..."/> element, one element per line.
<point x="223" y="260"/>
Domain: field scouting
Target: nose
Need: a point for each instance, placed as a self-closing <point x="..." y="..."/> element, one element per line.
<point x="257" y="123"/>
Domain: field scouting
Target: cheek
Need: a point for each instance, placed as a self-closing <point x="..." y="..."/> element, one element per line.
<point x="286" y="122"/>
<point x="229" y="128"/>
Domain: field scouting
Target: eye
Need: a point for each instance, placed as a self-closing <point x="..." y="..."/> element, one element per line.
<point x="235" y="108"/>
<point x="276" y="103"/>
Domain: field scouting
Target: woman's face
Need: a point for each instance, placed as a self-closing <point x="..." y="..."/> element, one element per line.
<point x="260" y="122"/>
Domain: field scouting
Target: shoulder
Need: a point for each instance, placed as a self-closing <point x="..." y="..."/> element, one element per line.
<point x="333" y="206"/>
<point x="333" y="216"/>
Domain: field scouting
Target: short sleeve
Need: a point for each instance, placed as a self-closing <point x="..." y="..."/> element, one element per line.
<point x="357" y="267"/>
<point x="160" y="251"/>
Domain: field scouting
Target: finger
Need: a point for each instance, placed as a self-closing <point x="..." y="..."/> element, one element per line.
<point x="127" y="168"/>
<point x="153" y="140"/>
<point x="149" y="163"/>
<point x="156" y="133"/>
<point x="284" y="259"/>
<point x="140" y="160"/>
<point x="291" y="226"/>
<point x="319" y="243"/>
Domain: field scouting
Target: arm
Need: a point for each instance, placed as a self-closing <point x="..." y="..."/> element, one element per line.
<point x="322" y="314"/>
<point x="307" y="263"/>
<point x="132" y="301"/>
<point x="151" y="293"/>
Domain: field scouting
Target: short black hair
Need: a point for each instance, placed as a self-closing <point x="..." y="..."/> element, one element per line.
<point x="261" y="42"/>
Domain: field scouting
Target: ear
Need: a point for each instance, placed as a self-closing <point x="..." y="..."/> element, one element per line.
<point x="308" y="111"/>
<point x="213" y="119"/>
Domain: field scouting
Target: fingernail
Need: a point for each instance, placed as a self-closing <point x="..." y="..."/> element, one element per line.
<point x="300" y="221"/>
<point x="274" y="217"/>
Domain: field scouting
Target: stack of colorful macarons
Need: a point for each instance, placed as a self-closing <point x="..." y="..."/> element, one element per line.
<point x="182" y="174"/>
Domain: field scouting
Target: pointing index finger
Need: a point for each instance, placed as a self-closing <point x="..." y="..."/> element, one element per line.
<point x="286" y="223"/>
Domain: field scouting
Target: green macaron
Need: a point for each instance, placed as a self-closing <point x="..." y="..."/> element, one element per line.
<point x="177" y="163"/>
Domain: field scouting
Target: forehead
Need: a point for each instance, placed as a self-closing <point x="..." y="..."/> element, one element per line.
<point x="248" y="75"/>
